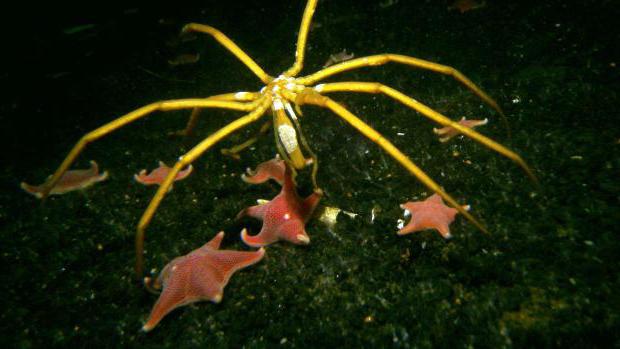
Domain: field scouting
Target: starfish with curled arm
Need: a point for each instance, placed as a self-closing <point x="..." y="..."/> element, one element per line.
<point x="271" y="169"/>
<point x="284" y="217"/>
<point x="158" y="175"/>
<point x="70" y="181"/>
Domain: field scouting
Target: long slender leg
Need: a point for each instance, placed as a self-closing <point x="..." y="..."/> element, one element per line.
<point x="131" y="117"/>
<point x="188" y="130"/>
<point x="300" y="50"/>
<point x="236" y="149"/>
<point x="231" y="46"/>
<point x="388" y="147"/>
<point x="183" y="161"/>
<point x="411" y="61"/>
<point x="373" y="87"/>
<point x="193" y="118"/>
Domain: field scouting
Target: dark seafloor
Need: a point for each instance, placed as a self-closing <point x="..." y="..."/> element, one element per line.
<point x="546" y="276"/>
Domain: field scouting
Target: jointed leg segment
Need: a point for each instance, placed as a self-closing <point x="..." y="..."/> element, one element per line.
<point x="183" y="161"/>
<point x="387" y="146"/>
<point x="236" y="149"/>
<point x="375" y="60"/>
<point x="131" y="117"/>
<point x="372" y="87"/>
<point x="300" y="50"/>
<point x="193" y="118"/>
<point x="231" y="46"/>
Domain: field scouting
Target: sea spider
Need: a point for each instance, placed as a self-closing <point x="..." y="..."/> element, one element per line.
<point x="283" y="95"/>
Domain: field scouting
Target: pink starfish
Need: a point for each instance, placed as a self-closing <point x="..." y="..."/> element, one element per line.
<point x="70" y="181"/>
<point x="200" y="275"/>
<point x="158" y="175"/>
<point x="445" y="133"/>
<point x="271" y="169"/>
<point x="284" y="217"/>
<point x="431" y="213"/>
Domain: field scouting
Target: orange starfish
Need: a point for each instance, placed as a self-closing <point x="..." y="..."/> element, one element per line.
<point x="445" y="133"/>
<point x="70" y="181"/>
<point x="200" y="275"/>
<point x="158" y="175"/>
<point x="272" y="169"/>
<point x="284" y="217"/>
<point x="431" y="213"/>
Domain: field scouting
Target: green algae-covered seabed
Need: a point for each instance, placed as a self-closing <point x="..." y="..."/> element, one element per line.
<point x="546" y="276"/>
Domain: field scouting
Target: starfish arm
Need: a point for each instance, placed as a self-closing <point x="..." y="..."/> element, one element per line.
<point x="184" y="173"/>
<point x="214" y="244"/>
<point x="411" y="227"/>
<point x="171" y="298"/>
<point x="310" y="204"/>
<point x="436" y="199"/>
<point x="294" y="232"/>
<point x="444" y="229"/>
<point x="261" y="239"/>
<point x="257" y="211"/>
<point x="255" y="177"/>
<point x="272" y="169"/>
<point x="228" y="262"/>
<point x="36" y="190"/>
<point x="443" y="131"/>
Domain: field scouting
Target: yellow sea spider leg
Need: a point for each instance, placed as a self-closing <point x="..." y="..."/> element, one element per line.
<point x="231" y="46"/>
<point x="183" y="161"/>
<point x="193" y="118"/>
<point x="373" y="87"/>
<point x="236" y="149"/>
<point x="300" y="50"/>
<point x="365" y="129"/>
<point x="131" y="117"/>
<point x="382" y="59"/>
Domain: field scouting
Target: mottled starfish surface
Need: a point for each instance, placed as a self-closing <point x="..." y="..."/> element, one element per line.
<point x="284" y="217"/>
<point x="445" y="133"/>
<point x="431" y="213"/>
<point x="271" y="169"/>
<point x="70" y="181"/>
<point x="158" y="175"/>
<point x="200" y="275"/>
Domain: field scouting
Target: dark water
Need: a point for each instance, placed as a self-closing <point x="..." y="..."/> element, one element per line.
<point x="545" y="276"/>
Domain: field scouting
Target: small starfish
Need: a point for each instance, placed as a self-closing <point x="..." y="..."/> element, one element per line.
<point x="431" y="213"/>
<point x="284" y="217"/>
<point x="200" y="275"/>
<point x="158" y="175"/>
<point x="271" y="169"/>
<point x="445" y="133"/>
<point x="70" y="181"/>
